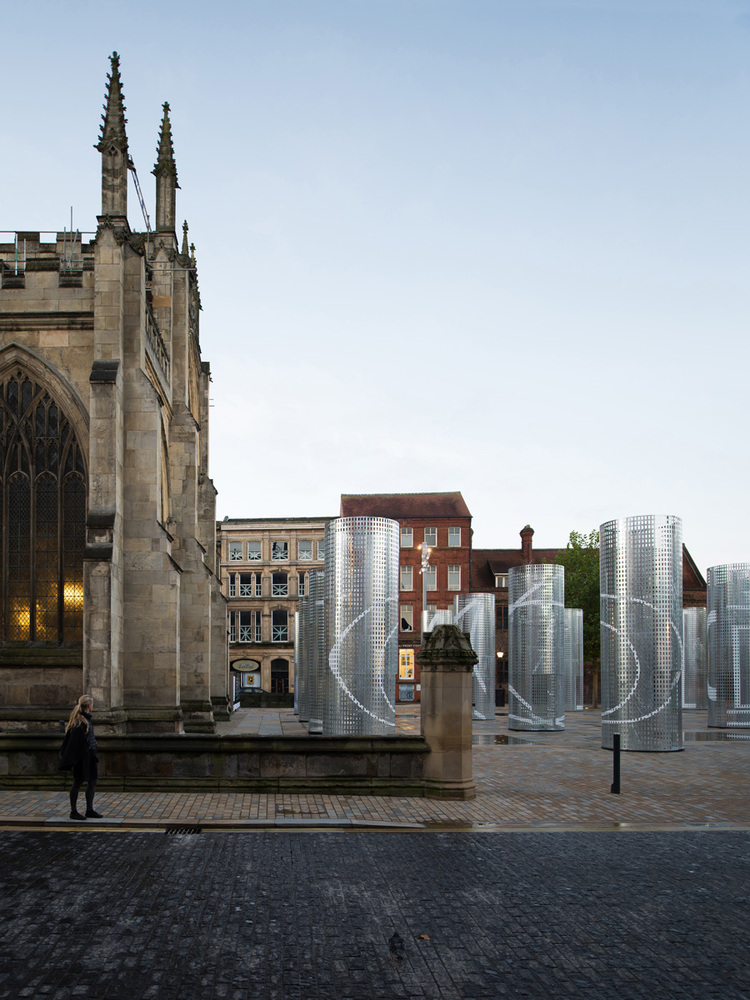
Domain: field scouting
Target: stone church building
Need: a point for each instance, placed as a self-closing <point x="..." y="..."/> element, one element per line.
<point x="108" y="575"/>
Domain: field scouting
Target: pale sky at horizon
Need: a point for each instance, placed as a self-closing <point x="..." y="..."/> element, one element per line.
<point x="495" y="247"/>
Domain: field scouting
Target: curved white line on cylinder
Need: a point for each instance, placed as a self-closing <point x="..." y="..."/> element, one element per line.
<point x="617" y="631"/>
<point x="629" y="722"/>
<point x="532" y="717"/>
<point x="333" y="664"/>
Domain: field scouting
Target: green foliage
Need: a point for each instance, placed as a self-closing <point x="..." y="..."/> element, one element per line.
<point x="581" y="562"/>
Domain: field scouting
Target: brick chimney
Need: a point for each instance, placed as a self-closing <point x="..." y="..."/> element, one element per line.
<point x="527" y="534"/>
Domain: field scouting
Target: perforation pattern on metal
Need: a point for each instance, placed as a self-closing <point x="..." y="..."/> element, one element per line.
<point x="573" y="623"/>
<point x="431" y="619"/>
<point x="475" y="614"/>
<point x="315" y="637"/>
<point x="361" y="609"/>
<point x="694" y="693"/>
<point x="728" y="642"/>
<point x="536" y="681"/>
<point x="641" y="632"/>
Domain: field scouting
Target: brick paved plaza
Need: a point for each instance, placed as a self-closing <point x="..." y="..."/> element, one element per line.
<point x="546" y="885"/>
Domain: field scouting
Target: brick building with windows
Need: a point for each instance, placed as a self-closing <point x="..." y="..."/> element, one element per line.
<point x="265" y="564"/>
<point x="442" y="522"/>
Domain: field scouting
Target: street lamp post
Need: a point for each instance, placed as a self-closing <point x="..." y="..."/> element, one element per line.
<point x="426" y="553"/>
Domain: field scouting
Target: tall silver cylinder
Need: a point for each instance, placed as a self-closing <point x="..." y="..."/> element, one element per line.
<point x="573" y="618"/>
<point x="536" y="681"/>
<point x="315" y="649"/>
<point x="475" y="614"/>
<point x="640" y="561"/>
<point x="300" y="700"/>
<point x="728" y="633"/>
<point x="694" y="694"/>
<point x="361" y="586"/>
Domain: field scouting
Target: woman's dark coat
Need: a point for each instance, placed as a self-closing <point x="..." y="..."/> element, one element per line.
<point x="75" y="750"/>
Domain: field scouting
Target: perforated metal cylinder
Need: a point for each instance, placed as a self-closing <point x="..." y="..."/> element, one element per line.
<point x="640" y="562"/>
<point x="431" y="619"/>
<point x="315" y="649"/>
<point x="694" y="694"/>
<point x="361" y="586"/>
<point x="536" y="680"/>
<point x="475" y="614"/>
<point x="300" y="704"/>
<point x="573" y="620"/>
<point x="728" y="635"/>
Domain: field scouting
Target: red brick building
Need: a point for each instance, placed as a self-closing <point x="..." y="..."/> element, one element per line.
<point x="442" y="522"/>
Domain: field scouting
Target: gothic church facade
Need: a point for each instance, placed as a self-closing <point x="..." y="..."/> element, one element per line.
<point x="108" y="574"/>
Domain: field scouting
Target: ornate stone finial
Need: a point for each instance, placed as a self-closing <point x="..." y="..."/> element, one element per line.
<point x="113" y="135"/>
<point x="165" y="163"/>
<point x="192" y="255"/>
<point x="446" y="648"/>
<point x="185" y="249"/>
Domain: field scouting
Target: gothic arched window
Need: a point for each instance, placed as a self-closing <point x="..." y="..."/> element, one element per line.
<point x="42" y="517"/>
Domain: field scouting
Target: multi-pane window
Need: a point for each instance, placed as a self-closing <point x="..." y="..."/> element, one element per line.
<point x="279" y="551"/>
<point x="253" y="552"/>
<point x="501" y="579"/>
<point x="406" y="664"/>
<point x="501" y="615"/>
<point x="407" y="578"/>
<point x="407" y="617"/>
<point x="321" y="550"/>
<point x="279" y="625"/>
<point x="454" y="578"/>
<point x="304" y="551"/>
<point x="430" y="577"/>
<point x="250" y="585"/>
<point x="279" y="585"/>
<point x="244" y="626"/>
<point x="301" y="584"/>
<point x="430" y="537"/>
<point x="407" y="538"/>
<point x="235" y="551"/>
<point x="42" y="517"/>
<point x="232" y="584"/>
<point x="454" y="538"/>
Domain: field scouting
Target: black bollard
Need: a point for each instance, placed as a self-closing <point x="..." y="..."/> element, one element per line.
<point x="615" y="786"/>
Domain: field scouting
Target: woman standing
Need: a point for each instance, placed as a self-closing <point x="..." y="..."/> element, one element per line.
<point x="79" y="753"/>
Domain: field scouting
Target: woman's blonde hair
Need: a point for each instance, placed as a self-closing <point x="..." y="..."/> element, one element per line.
<point x="84" y="704"/>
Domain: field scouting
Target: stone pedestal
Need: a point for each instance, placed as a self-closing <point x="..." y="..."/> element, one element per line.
<point x="446" y="661"/>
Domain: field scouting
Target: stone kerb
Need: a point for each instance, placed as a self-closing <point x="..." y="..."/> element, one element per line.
<point x="446" y="661"/>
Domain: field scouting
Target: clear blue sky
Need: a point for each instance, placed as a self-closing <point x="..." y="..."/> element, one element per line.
<point x="485" y="245"/>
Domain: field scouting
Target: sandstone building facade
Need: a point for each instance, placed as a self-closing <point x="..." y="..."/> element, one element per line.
<point x="265" y="569"/>
<point x="108" y="582"/>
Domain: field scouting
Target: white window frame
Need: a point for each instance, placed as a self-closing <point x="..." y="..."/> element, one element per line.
<point x="254" y="551"/>
<point x="501" y="580"/>
<point x="407" y="538"/>
<point x="301" y="584"/>
<point x="280" y="551"/>
<point x="430" y="537"/>
<point x="280" y="633"/>
<point x="246" y="589"/>
<point x="280" y="589"/>
<point x="453" y="534"/>
<point x="430" y="578"/>
<point x="321" y="550"/>
<point x="406" y="664"/>
<point x="406" y="578"/>
<point x="304" y="555"/>
<point x="235" y="551"/>
<point x="232" y="584"/>
<point x="454" y="572"/>
<point x="406" y="612"/>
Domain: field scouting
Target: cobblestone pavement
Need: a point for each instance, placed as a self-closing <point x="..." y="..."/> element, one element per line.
<point x="327" y="916"/>
<point x="525" y="781"/>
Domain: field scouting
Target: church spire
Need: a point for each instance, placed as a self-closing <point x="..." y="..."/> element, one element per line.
<point x="113" y="145"/>
<point x="165" y="171"/>
<point x="185" y="248"/>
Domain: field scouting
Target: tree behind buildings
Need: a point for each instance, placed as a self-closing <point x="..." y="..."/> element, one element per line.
<point x="581" y="561"/>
